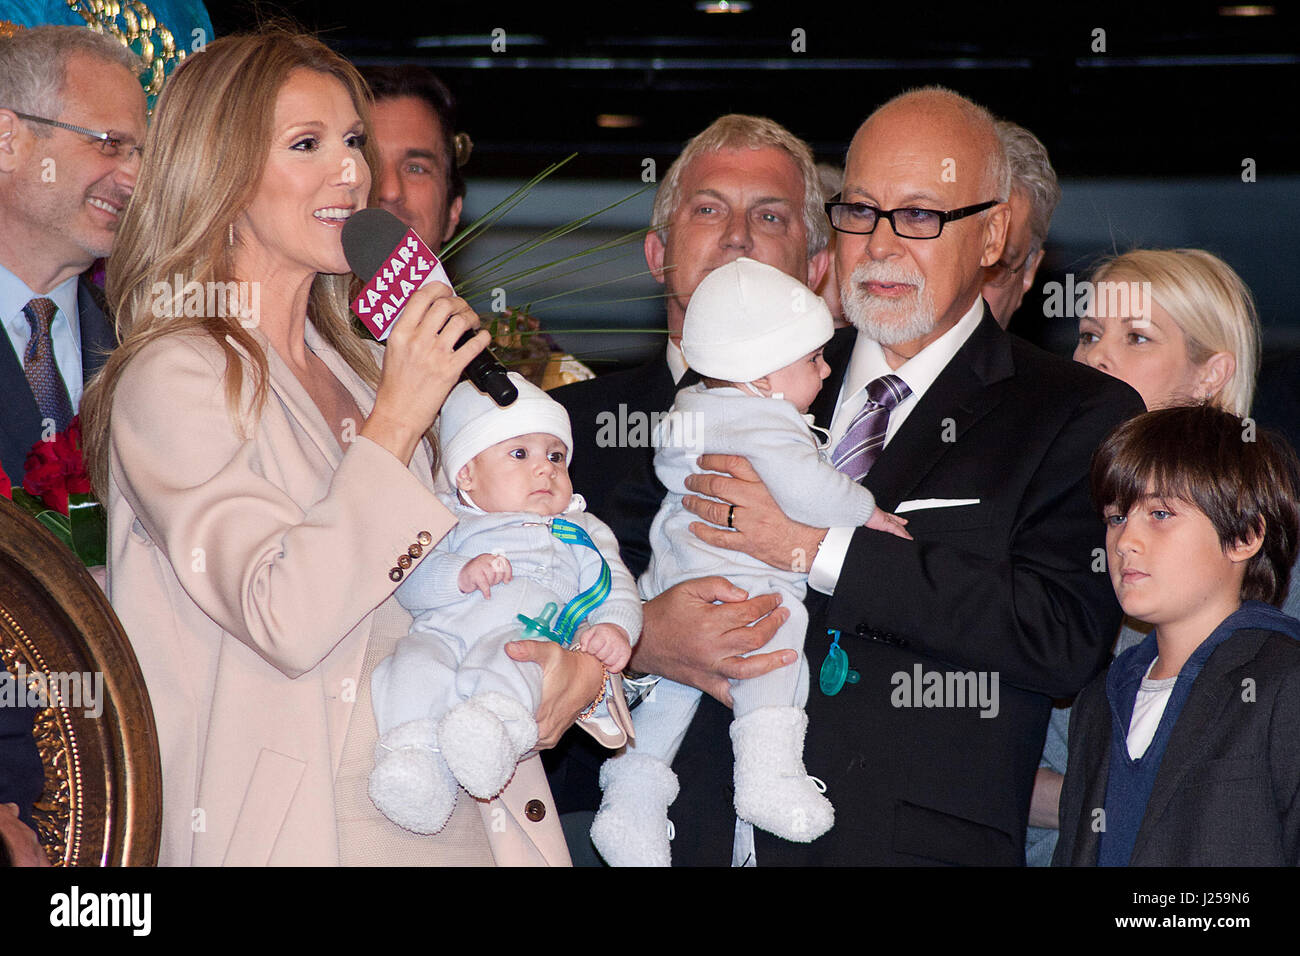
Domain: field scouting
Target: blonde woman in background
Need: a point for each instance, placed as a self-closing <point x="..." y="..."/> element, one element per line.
<point x="1200" y="342"/>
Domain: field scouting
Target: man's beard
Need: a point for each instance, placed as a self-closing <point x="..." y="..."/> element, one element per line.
<point x="886" y="320"/>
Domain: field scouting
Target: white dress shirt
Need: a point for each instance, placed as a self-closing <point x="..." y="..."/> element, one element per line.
<point x="866" y="364"/>
<point x="65" y="329"/>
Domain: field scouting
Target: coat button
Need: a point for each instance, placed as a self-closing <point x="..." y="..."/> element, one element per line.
<point x="395" y="574"/>
<point x="424" y="538"/>
<point x="415" y="550"/>
<point x="534" y="810"/>
<point x="403" y="561"/>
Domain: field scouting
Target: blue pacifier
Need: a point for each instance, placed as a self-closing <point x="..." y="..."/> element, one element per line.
<point x="541" y="625"/>
<point x="835" y="672"/>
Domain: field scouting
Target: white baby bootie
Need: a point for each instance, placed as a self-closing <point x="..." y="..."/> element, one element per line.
<point x="773" y="790"/>
<point x="631" y="828"/>
<point x="517" y="718"/>
<point x="411" y="783"/>
<point x="483" y="738"/>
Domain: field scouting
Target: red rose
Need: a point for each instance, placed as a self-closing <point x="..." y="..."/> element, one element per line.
<point x="54" y="469"/>
<point x="6" y="489"/>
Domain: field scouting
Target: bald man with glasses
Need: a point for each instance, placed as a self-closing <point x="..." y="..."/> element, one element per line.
<point x="960" y="638"/>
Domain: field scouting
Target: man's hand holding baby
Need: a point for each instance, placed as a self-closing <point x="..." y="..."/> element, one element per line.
<point x="608" y="643"/>
<point x="482" y="572"/>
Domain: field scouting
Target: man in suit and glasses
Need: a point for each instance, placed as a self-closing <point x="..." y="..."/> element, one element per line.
<point x="964" y="635"/>
<point x="72" y="118"/>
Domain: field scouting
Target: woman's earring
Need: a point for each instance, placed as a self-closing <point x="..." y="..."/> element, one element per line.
<point x="230" y="235"/>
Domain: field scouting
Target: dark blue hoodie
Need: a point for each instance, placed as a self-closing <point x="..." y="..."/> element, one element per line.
<point x="1128" y="788"/>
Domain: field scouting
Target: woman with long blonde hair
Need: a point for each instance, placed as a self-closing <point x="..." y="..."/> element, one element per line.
<point x="267" y="474"/>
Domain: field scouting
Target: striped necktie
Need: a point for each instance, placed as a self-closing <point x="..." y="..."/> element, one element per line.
<point x="40" y="368"/>
<point x="861" y="444"/>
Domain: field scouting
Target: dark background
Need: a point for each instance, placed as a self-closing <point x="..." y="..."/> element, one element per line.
<point x="1148" y="136"/>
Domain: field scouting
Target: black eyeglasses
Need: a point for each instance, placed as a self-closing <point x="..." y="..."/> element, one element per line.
<point x="861" y="219"/>
<point x="109" y="143"/>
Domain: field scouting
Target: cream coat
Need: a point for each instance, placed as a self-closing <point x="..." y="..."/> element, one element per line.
<point x="251" y="572"/>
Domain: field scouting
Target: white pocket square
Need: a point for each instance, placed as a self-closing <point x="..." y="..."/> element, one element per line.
<point x="922" y="504"/>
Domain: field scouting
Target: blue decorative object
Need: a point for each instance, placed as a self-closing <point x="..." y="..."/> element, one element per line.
<point x="835" y="671"/>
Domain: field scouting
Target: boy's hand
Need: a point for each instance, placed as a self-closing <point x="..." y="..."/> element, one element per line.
<point x="483" y="572"/>
<point x="608" y="643"/>
<point x="882" y="520"/>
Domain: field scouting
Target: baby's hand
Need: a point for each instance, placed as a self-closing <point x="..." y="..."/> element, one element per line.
<point x="882" y="520"/>
<point x="608" y="643"/>
<point x="483" y="572"/>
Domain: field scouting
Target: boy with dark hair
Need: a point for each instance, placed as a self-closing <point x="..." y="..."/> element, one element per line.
<point x="1188" y="747"/>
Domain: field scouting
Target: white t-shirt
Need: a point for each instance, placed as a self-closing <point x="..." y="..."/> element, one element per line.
<point x="1152" y="698"/>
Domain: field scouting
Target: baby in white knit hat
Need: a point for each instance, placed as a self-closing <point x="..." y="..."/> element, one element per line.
<point x="524" y="561"/>
<point x="756" y="336"/>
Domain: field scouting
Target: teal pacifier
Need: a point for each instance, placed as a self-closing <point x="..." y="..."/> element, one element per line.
<point x="540" y="626"/>
<point x="835" y="672"/>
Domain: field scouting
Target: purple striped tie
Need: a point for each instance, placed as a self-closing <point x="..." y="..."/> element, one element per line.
<point x="861" y="444"/>
<point x="40" y="368"/>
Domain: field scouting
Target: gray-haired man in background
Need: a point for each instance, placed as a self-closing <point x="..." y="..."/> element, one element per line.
<point x="1034" y="196"/>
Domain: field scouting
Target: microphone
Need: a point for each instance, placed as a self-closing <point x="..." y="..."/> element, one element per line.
<point x="394" y="262"/>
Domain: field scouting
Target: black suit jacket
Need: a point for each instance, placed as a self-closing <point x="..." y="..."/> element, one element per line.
<point x="1228" y="789"/>
<point x="616" y="475"/>
<point x="20" y="419"/>
<point x="1005" y="586"/>
<point x="617" y="478"/>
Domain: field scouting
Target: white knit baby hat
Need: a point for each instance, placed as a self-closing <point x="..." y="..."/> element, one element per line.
<point x="746" y="319"/>
<point x="471" y="422"/>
